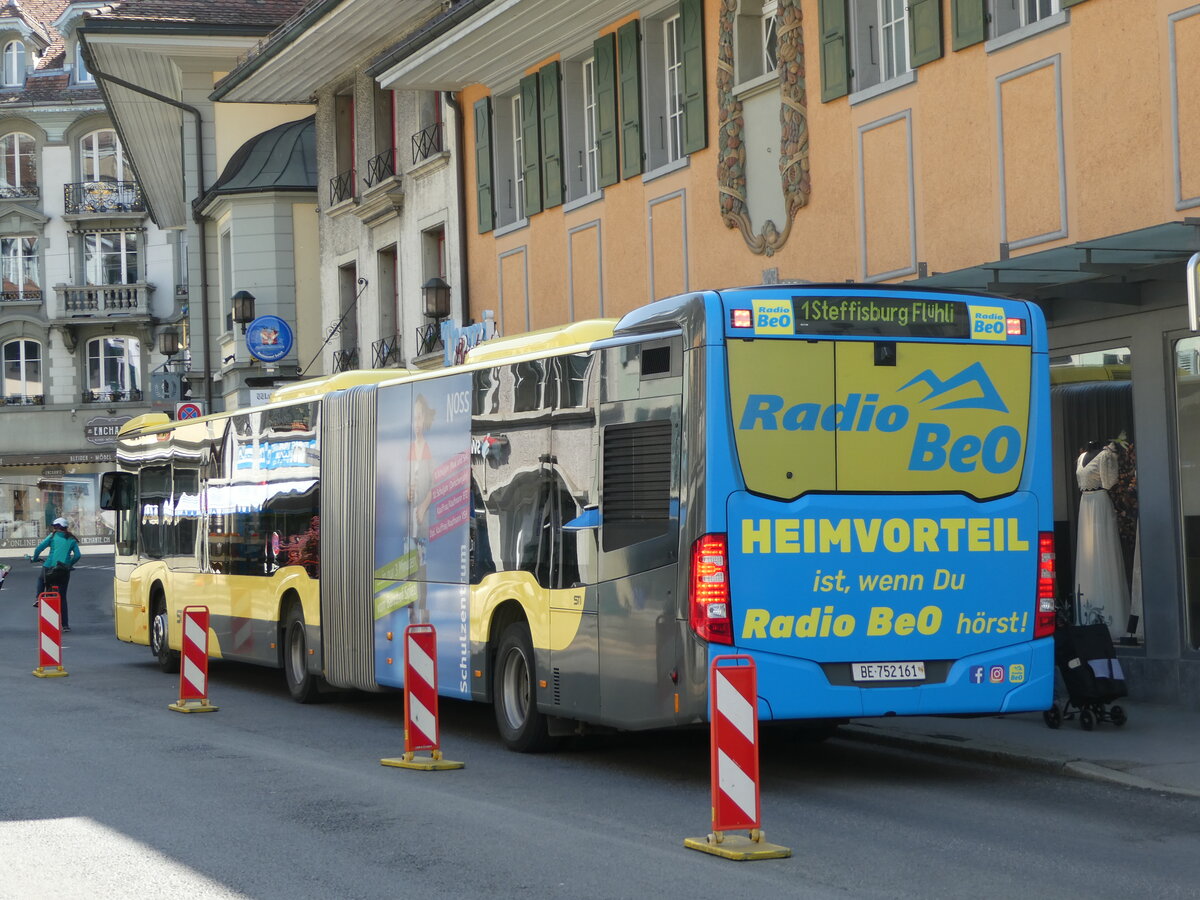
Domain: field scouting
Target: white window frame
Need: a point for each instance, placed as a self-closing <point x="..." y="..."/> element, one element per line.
<point x="118" y="355"/>
<point x="82" y="74"/>
<point x="893" y="39"/>
<point x="19" y="257"/>
<point x="1036" y="10"/>
<point x="770" y="38"/>
<point x="15" y="146"/>
<point x="1013" y="21"/>
<point x="518" y="153"/>
<point x="91" y="157"/>
<point x="14" y="64"/>
<point x="875" y="48"/>
<point x="23" y="385"/>
<point x="95" y="254"/>
<point x="673" y="88"/>
<point x="591" y="139"/>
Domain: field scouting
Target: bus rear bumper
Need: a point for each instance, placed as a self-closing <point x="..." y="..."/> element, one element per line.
<point x="1019" y="678"/>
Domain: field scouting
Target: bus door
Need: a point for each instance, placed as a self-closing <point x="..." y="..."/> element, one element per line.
<point x="639" y="532"/>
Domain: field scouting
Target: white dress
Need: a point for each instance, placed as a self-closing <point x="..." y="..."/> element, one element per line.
<point x="1100" y="586"/>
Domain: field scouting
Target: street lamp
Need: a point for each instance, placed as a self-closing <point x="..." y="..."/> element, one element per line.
<point x="168" y="342"/>
<point x="243" y="309"/>
<point x="436" y="294"/>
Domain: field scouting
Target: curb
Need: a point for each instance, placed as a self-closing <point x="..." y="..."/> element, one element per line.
<point x="966" y="748"/>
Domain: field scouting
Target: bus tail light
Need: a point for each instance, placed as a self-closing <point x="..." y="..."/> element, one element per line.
<point x="710" y="613"/>
<point x="1043" y="625"/>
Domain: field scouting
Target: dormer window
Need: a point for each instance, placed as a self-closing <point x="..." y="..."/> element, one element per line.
<point x="14" y="64"/>
<point x="82" y="75"/>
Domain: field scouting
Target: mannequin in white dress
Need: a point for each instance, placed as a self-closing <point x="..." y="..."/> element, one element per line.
<point x="1101" y="589"/>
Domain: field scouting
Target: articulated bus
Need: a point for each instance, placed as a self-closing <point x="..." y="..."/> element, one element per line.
<point x="848" y="484"/>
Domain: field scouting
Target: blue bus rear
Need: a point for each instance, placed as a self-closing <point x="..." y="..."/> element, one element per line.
<point x="878" y="500"/>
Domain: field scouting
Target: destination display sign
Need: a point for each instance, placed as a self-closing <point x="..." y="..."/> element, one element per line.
<point x="883" y="316"/>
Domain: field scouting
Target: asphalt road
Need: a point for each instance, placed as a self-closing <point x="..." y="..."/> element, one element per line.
<point x="104" y="792"/>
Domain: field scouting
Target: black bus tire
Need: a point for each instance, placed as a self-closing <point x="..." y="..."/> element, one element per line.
<point x="522" y="727"/>
<point x="168" y="659"/>
<point x="302" y="684"/>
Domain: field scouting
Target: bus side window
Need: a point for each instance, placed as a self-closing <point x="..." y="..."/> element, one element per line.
<point x="154" y="492"/>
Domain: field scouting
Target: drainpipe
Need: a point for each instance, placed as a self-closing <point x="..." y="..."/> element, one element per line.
<point x="196" y="217"/>
<point x="452" y="101"/>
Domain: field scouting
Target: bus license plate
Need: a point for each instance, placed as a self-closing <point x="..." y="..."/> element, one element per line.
<point x="888" y="671"/>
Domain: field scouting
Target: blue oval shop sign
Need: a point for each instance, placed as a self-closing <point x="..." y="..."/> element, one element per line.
<point x="269" y="338"/>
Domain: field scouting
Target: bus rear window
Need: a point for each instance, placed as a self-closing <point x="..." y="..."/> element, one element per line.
<point x="827" y="415"/>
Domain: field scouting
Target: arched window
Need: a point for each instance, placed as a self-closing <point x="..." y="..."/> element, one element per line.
<point x="101" y="157"/>
<point x="23" y="372"/>
<point x="14" y="64"/>
<point x="114" y="368"/>
<point x="19" y="265"/>
<point x="18" y="166"/>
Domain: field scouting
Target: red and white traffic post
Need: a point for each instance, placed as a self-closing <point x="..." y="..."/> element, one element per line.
<point x="421" y="703"/>
<point x="50" y="636"/>
<point x="733" y="739"/>
<point x="193" y="663"/>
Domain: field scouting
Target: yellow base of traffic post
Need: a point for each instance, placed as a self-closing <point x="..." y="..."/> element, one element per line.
<point x="424" y="763"/>
<point x="51" y="672"/>
<point x="191" y="706"/>
<point x="736" y="846"/>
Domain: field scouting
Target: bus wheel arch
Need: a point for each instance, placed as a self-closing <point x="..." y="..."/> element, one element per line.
<point x="302" y="684"/>
<point x="523" y="727"/>
<point x="160" y="630"/>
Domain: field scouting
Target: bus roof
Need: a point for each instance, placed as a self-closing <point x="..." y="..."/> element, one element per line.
<point x="327" y="384"/>
<point x="547" y="339"/>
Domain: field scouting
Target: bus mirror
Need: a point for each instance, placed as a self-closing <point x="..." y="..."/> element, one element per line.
<point x="585" y="521"/>
<point x="116" y="491"/>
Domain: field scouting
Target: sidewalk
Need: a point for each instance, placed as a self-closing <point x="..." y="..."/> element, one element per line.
<point x="1157" y="749"/>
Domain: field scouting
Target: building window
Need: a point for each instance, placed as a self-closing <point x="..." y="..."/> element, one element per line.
<point x="673" y="89"/>
<point x="579" y="128"/>
<point x="114" y="367"/>
<point x="510" y="176"/>
<point x="1009" y="15"/>
<point x="591" y="146"/>
<point x="82" y="75"/>
<point x="664" y="130"/>
<point x="879" y="47"/>
<point x="22" y="371"/>
<point x="770" y="38"/>
<point x="19" y="257"/>
<point x="101" y="157"/>
<point x="518" y="154"/>
<point x="111" y="257"/>
<point x="18" y="166"/>
<point x="756" y="39"/>
<point x="14" y="64"/>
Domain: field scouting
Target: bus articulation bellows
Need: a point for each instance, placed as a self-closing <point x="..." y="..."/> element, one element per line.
<point x="849" y="484"/>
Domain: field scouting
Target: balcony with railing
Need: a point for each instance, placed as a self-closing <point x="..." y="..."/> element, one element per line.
<point x="104" y="300"/>
<point x="385" y="353"/>
<point x="345" y="360"/>
<point x="115" y="395"/>
<point x="19" y="192"/>
<point x="104" y="198"/>
<point x="427" y="142"/>
<point x="380" y="167"/>
<point x="429" y="338"/>
<point x="23" y="400"/>
<point x="20" y="295"/>
<point x="341" y="187"/>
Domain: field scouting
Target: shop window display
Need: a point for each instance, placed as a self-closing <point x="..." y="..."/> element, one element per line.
<point x="31" y="498"/>
<point x="1096" y="499"/>
<point x="1187" y="423"/>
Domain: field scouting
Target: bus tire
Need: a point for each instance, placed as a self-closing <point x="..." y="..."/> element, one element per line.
<point x="168" y="659"/>
<point x="522" y="727"/>
<point x="302" y="684"/>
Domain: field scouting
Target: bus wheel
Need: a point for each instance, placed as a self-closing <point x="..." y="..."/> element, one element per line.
<point x="522" y="727"/>
<point x="302" y="684"/>
<point x="168" y="659"/>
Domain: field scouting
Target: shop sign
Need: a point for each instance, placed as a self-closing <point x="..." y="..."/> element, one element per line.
<point x="269" y="339"/>
<point x="102" y="430"/>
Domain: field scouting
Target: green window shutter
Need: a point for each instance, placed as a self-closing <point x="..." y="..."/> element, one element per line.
<point x="1065" y="3"/>
<point x="605" y="69"/>
<point x="835" y="51"/>
<point x="924" y="31"/>
<point x="695" y="109"/>
<point x="531" y="149"/>
<point x="630" y="76"/>
<point x="550" y="116"/>
<point x="483" y="165"/>
<point x="969" y="22"/>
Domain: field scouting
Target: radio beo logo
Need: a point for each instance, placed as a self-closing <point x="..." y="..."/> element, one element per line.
<point x="988" y="323"/>
<point x="773" y="317"/>
<point x="934" y="445"/>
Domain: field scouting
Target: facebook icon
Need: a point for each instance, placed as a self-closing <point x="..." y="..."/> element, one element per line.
<point x="976" y="674"/>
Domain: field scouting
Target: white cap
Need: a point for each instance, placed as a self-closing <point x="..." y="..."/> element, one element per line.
<point x="60" y="522"/>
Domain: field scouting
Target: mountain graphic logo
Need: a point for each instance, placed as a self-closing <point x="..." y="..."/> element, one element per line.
<point x="987" y="397"/>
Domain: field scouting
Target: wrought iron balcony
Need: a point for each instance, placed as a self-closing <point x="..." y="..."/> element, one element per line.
<point x="23" y="295"/>
<point x="429" y="338"/>
<point x="104" y="197"/>
<point x="24" y="192"/>
<point x="345" y="360"/>
<point x="385" y="353"/>
<point x="380" y="167"/>
<point x="102" y="300"/>
<point x="23" y="400"/>
<point x="427" y="142"/>
<point x="341" y="187"/>
<point x="112" y="396"/>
